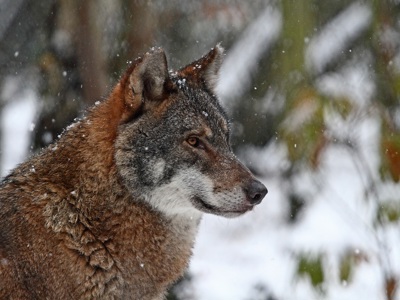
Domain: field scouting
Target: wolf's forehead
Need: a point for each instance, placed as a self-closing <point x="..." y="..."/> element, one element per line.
<point x="207" y="108"/>
<point x="219" y="120"/>
<point x="203" y="104"/>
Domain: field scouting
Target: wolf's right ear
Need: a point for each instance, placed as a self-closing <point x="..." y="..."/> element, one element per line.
<point x="205" y="70"/>
<point x="145" y="80"/>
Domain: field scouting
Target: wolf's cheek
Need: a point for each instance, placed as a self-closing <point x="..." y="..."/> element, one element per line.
<point x="157" y="169"/>
<point x="173" y="197"/>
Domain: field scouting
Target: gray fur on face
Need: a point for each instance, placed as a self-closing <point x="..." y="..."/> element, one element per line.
<point x="151" y="143"/>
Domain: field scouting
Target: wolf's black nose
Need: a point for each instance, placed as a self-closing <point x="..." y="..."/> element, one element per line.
<point x="255" y="192"/>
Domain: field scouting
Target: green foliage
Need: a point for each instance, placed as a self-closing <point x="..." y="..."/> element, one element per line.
<point x="303" y="128"/>
<point x="388" y="212"/>
<point x="346" y="268"/>
<point x="343" y="106"/>
<point x="312" y="268"/>
<point x="348" y="263"/>
<point x="390" y="152"/>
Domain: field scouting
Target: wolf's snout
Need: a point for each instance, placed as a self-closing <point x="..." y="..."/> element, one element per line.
<point x="255" y="192"/>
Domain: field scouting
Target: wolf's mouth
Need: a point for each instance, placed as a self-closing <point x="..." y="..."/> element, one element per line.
<point x="200" y="204"/>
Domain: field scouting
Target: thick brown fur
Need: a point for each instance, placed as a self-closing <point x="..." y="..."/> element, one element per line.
<point x="71" y="224"/>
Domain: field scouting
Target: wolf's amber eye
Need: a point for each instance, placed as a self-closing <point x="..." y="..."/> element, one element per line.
<point x="195" y="142"/>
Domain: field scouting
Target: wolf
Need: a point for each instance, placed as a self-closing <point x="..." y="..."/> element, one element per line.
<point x="111" y="209"/>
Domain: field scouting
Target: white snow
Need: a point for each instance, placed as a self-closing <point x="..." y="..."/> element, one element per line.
<point x="243" y="57"/>
<point x="16" y="125"/>
<point x="333" y="39"/>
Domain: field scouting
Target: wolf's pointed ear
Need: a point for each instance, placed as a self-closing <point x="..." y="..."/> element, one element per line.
<point x="205" y="70"/>
<point x="144" y="82"/>
<point x="149" y="76"/>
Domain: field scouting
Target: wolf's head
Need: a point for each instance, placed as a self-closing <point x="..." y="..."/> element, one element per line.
<point x="172" y="148"/>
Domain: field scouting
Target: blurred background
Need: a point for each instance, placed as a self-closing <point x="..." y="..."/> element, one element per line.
<point x="312" y="88"/>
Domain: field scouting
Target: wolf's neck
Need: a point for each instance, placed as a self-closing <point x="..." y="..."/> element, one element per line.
<point x="184" y="226"/>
